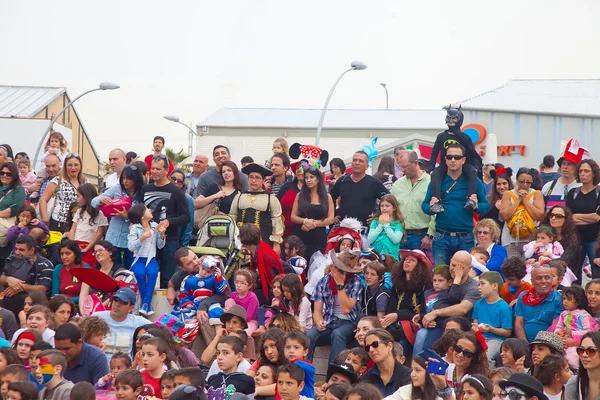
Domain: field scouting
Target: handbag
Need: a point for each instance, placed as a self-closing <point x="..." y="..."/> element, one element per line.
<point x="5" y="224"/>
<point x="202" y="214"/>
<point x="122" y="203"/>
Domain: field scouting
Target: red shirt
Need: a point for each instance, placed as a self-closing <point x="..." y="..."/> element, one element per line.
<point x="148" y="161"/>
<point x="151" y="385"/>
<point x="69" y="285"/>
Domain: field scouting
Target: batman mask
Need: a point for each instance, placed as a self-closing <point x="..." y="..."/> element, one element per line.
<point x="454" y="115"/>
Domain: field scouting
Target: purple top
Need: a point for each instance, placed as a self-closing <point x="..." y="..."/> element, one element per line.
<point x="14" y="231"/>
<point x="249" y="303"/>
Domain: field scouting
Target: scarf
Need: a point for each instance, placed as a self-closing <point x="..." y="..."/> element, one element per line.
<point x="332" y="283"/>
<point x="530" y="298"/>
<point x="266" y="261"/>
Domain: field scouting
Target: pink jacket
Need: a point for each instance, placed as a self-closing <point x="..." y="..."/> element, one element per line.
<point x="28" y="179"/>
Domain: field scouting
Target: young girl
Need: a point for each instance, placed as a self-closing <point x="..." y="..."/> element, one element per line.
<point x="26" y="175"/>
<point x="56" y="145"/>
<point x="265" y="377"/>
<point x="344" y="243"/>
<point x="387" y="229"/>
<point x="271" y="356"/>
<point x="38" y="319"/>
<point x="293" y="248"/>
<point x="374" y="298"/>
<point x="280" y="145"/>
<point x="89" y="223"/>
<point x="73" y="208"/>
<point x="142" y="241"/>
<point x="118" y="362"/>
<point x="154" y="359"/>
<point x="544" y="248"/>
<point x="265" y="315"/>
<point x="574" y="322"/>
<point x="27" y="220"/>
<point x="22" y="344"/>
<point x="296" y="301"/>
<point x="554" y="373"/>
<point x="592" y="293"/>
<point x="245" y="297"/>
<point x="513" y="351"/>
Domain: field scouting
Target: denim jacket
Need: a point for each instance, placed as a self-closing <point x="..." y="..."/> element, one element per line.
<point x="147" y="248"/>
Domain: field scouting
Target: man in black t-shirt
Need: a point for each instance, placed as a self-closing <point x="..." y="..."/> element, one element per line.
<point x="358" y="192"/>
<point x="170" y="210"/>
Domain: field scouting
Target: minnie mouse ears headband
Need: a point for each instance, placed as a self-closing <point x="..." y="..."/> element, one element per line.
<point x="501" y="171"/>
<point x="307" y="151"/>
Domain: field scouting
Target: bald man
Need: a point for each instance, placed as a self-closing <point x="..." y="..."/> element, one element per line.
<point x="460" y="266"/>
<point x="118" y="161"/>
<point x="199" y="167"/>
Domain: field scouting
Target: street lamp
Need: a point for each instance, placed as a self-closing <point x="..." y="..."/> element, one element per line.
<point x="174" y="118"/>
<point x="101" y="86"/>
<point x="386" y="95"/>
<point x="355" y="65"/>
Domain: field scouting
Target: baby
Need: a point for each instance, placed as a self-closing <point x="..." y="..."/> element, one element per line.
<point x="544" y="248"/>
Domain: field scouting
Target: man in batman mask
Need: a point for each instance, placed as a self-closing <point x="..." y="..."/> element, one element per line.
<point x="471" y="169"/>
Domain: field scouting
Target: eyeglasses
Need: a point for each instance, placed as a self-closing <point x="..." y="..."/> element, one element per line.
<point x="522" y="182"/>
<point x="454" y="157"/>
<point x="175" y="180"/>
<point x="240" y="283"/>
<point x="254" y="178"/>
<point x="589" y="351"/>
<point x="557" y="216"/>
<point x="512" y="395"/>
<point x="374" y="345"/>
<point x="466" y="353"/>
<point x="483" y="232"/>
<point x="100" y="250"/>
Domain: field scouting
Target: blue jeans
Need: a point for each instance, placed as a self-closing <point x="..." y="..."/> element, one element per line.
<point x="425" y="338"/>
<point x="413" y="242"/>
<point x="444" y="246"/>
<point x="166" y="259"/>
<point x="146" y="278"/>
<point x="588" y="249"/>
<point x="339" y="332"/>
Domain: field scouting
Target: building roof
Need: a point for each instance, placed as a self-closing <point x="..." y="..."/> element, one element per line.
<point x="578" y="97"/>
<point x="26" y="101"/>
<point x="334" y="119"/>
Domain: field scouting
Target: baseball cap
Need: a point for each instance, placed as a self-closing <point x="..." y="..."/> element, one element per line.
<point x="125" y="294"/>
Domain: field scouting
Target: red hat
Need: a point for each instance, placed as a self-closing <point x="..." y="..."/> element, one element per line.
<point x="574" y="153"/>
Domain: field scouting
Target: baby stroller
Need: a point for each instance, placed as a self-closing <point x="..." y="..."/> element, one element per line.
<point x="220" y="232"/>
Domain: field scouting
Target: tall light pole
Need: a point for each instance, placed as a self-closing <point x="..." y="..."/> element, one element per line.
<point x="174" y="118"/>
<point x="355" y="65"/>
<point x="102" y="86"/>
<point x="386" y="95"/>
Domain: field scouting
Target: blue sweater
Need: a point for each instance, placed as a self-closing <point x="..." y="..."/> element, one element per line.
<point x="455" y="217"/>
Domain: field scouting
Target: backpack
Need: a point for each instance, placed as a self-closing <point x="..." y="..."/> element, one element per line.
<point x="521" y="225"/>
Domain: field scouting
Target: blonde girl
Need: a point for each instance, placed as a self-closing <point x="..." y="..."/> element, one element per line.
<point x="387" y="228"/>
<point x="280" y="145"/>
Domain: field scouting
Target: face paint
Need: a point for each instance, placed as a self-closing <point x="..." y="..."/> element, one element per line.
<point x="46" y="369"/>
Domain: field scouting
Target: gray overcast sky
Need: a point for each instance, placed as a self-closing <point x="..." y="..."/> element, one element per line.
<point x="190" y="58"/>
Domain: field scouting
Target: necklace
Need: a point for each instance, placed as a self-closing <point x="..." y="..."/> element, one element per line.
<point x="455" y="384"/>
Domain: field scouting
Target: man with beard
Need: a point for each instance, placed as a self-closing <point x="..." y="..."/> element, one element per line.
<point x="537" y="308"/>
<point x="212" y="176"/>
<point x="471" y="168"/>
<point x="158" y="144"/>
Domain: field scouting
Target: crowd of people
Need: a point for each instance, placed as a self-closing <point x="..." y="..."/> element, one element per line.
<point x="453" y="281"/>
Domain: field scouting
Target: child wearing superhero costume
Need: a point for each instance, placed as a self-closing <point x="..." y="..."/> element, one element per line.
<point x="472" y="167"/>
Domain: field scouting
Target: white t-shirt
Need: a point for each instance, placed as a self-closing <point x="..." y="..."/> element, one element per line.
<point x="554" y="397"/>
<point x="120" y="335"/>
<point x="214" y="368"/>
<point x="85" y="231"/>
<point x="111" y="180"/>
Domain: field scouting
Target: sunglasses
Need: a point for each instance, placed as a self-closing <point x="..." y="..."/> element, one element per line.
<point x="466" y="353"/>
<point x="175" y="180"/>
<point x="5" y="173"/>
<point x="557" y="216"/>
<point x="374" y="345"/>
<point x="454" y="157"/>
<point x="528" y="183"/>
<point x="590" y="351"/>
<point x="512" y="395"/>
<point x="132" y="167"/>
<point x="157" y="156"/>
<point x="117" y="300"/>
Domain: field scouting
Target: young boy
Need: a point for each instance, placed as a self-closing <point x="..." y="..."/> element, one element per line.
<point x="514" y="270"/>
<point x="83" y="391"/>
<point x="290" y="382"/>
<point x="445" y="293"/>
<point x="492" y="316"/>
<point x="52" y="367"/>
<point x="295" y="349"/>
<point x="359" y="359"/>
<point x="191" y="376"/>
<point x="244" y="365"/>
<point x="167" y="383"/>
<point x="343" y="373"/>
<point x="229" y="355"/>
<point x="293" y="248"/>
<point x="558" y="269"/>
<point x="34" y="361"/>
<point x="129" y="384"/>
<point x="471" y="168"/>
<point x="480" y="257"/>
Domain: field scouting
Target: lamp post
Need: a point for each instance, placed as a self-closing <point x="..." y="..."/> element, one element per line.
<point x="386" y="95"/>
<point x="355" y="65"/>
<point x="174" y="118"/>
<point x="102" y="86"/>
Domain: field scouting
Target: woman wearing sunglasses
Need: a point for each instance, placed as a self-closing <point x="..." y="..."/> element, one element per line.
<point x="560" y="219"/>
<point x="387" y="374"/>
<point x="470" y="358"/>
<point x="586" y="385"/>
<point x="521" y="204"/>
<point x="128" y="189"/>
<point x="12" y="198"/>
